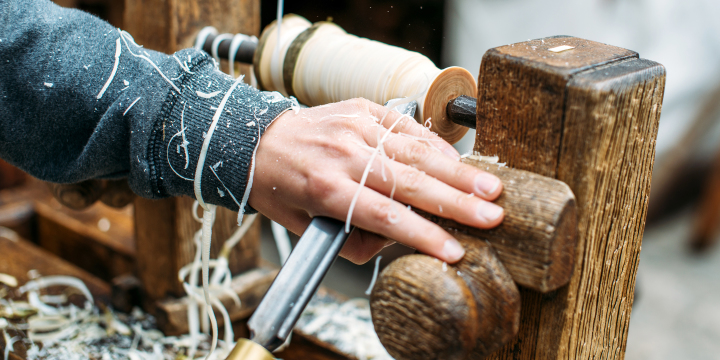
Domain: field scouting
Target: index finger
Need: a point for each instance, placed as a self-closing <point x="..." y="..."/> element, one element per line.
<point x="408" y="125"/>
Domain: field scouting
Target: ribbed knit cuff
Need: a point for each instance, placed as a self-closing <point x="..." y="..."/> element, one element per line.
<point x="178" y="136"/>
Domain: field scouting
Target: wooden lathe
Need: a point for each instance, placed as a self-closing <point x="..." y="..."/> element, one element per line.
<point x="576" y="132"/>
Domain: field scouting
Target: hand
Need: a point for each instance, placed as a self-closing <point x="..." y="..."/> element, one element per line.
<point x="311" y="163"/>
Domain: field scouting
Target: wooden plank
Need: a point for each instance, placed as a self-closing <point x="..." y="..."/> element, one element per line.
<point x="19" y="256"/>
<point x="588" y="117"/>
<point x="98" y="239"/>
<point x="164" y="228"/>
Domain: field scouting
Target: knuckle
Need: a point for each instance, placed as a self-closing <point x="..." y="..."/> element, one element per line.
<point x="417" y="154"/>
<point x="461" y="201"/>
<point x="463" y="171"/>
<point x="381" y="213"/>
<point x="321" y="188"/>
<point x="411" y="181"/>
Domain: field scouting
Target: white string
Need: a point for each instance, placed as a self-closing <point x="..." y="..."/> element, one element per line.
<point x="237" y="40"/>
<point x="282" y="241"/>
<point x="118" y="49"/>
<point x="203" y="35"/>
<point x="216" y="44"/>
<point x="206" y="144"/>
<point x="374" y="277"/>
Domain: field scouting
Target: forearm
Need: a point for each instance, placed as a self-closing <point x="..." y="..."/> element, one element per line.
<point x="71" y="110"/>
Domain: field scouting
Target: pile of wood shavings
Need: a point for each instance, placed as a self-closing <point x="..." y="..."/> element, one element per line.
<point x="347" y="326"/>
<point x="88" y="333"/>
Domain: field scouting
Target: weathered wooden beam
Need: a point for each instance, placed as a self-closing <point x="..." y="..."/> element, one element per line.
<point x="164" y="228"/>
<point x="587" y="116"/>
<point x="99" y="239"/>
<point x="18" y="256"/>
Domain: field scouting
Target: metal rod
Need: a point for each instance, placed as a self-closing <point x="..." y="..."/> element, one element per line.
<point x="297" y="281"/>
<point x="245" y="52"/>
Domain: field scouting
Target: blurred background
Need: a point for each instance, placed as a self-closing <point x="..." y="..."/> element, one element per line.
<point x="676" y="314"/>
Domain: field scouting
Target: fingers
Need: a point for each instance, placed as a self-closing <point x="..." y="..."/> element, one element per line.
<point x="362" y="245"/>
<point x="456" y="174"/>
<point x="409" y="126"/>
<point x="378" y="214"/>
<point x="415" y="187"/>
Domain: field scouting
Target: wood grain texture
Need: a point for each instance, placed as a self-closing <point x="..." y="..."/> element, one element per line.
<point x="591" y="123"/>
<point x="537" y="238"/>
<point x="172" y="25"/>
<point x="98" y="239"/>
<point x="165" y="227"/>
<point x="424" y="309"/>
<point x="19" y="256"/>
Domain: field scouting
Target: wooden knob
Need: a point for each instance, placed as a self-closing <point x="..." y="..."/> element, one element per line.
<point x="536" y="240"/>
<point x="117" y="193"/>
<point x="77" y="196"/>
<point x="425" y="309"/>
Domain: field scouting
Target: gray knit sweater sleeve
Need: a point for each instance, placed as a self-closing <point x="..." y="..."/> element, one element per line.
<point x="80" y="100"/>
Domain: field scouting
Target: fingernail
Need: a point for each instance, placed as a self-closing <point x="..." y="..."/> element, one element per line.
<point x="489" y="211"/>
<point x="486" y="184"/>
<point x="452" y="250"/>
<point x="452" y="153"/>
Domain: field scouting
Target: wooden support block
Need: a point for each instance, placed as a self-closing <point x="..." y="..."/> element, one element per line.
<point x="99" y="239"/>
<point x="19" y="256"/>
<point x="250" y="287"/>
<point x="587" y="116"/>
<point x="164" y="228"/>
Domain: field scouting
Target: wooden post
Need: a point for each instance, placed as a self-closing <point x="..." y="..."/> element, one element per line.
<point x="587" y="116"/>
<point x="164" y="228"/>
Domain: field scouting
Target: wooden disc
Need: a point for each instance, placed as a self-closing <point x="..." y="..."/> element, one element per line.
<point x="449" y="84"/>
<point x="421" y="311"/>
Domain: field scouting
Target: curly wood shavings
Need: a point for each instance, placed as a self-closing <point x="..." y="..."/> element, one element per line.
<point x="123" y="34"/>
<point x="374" y="277"/>
<point x="347" y="326"/>
<point x="561" y="48"/>
<point x="282" y="241"/>
<point x="182" y="66"/>
<point x="206" y="144"/>
<point x="9" y="344"/>
<point x="131" y="105"/>
<point x="118" y="50"/>
<point x="8" y="280"/>
<point x="379" y="149"/>
<point x="206" y="95"/>
<point x="208" y="221"/>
